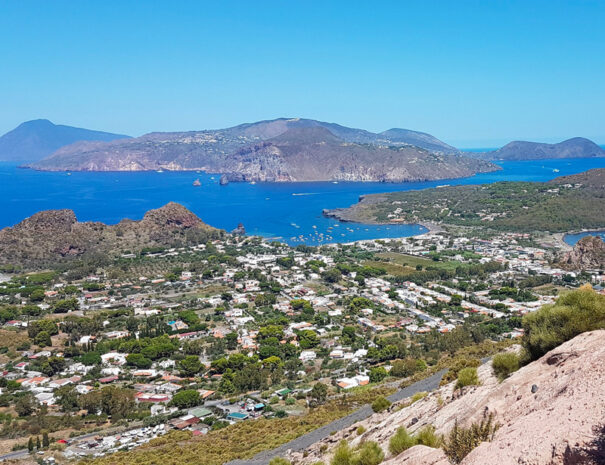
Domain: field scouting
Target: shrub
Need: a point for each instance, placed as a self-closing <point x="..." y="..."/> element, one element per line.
<point x="467" y="377"/>
<point x="461" y="441"/>
<point x="342" y="455"/>
<point x="279" y="461"/>
<point x="369" y="453"/>
<point x="400" y="441"/>
<point x="505" y="364"/>
<point x="360" y="430"/>
<point x="380" y="403"/>
<point x="573" y="313"/>
<point x="417" y="396"/>
<point x="427" y="437"/>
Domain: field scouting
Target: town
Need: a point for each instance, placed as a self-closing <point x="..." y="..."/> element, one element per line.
<point x="101" y="359"/>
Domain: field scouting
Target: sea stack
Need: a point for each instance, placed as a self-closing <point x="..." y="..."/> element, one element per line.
<point x="223" y="181"/>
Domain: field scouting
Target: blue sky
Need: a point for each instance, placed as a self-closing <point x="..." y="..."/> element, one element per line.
<point x="473" y="73"/>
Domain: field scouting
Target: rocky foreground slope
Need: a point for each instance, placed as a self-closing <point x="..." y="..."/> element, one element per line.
<point x="54" y="236"/>
<point x="550" y="412"/>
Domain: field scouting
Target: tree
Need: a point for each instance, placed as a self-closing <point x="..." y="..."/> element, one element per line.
<point x="231" y="341"/>
<point x="332" y="276"/>
<point x="30" y="444"/>
<point x="319" y="392"/>
<point x="190" y="366"/>
<point x="139" y="361"/>
<point x="25" y="405"/>
<point x="66" y="305"/>
<point x="45" y="440"/>
<point x="38" y="446"/>
<point x="37" y="295"/>
<point x="42" y="339"/>
<point x="186" y="398"/>
<point x="377" y="374"/>
<point x="308" y="339"/>
<point x="38" y="326"/>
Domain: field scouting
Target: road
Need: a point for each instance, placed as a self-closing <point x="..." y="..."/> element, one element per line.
<point x="262" y="458"/>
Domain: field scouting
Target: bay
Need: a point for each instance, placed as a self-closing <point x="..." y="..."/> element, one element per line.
<point x="291" y="212"/>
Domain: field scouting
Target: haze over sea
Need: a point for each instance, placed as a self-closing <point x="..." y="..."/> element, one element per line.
<point x="290" y="212"/>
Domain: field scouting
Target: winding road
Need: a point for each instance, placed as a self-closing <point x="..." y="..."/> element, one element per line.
<point x="262" y="458"/>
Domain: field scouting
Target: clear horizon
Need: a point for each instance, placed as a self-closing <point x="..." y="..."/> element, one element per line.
<point x="473" y="74"/>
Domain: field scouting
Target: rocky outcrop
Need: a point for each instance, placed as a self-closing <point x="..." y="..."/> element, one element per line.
<point x="52" y="236"/>
<point x="587" y="254"/>
<point x="550" y="412"/>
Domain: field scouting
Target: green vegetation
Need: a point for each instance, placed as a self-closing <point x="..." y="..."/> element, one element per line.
<point x="467" y="377"/>
<point x="505" y="206"/>
<point x="381" y="403"/>
<point x="505" y="364"/>
<point x="367" y="453"/>
<point x="573" y="313"/>
<point x="460" y="441"/>
<point x="402" y="440"/>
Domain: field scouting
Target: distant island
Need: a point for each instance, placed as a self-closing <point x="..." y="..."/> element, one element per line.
<point x="37" y="139"/>
<point x="281" y="150"/>
<point x="566" y="203"/>
<point x="578" y="147"/>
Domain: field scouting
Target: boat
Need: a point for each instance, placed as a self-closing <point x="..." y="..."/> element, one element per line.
<point x="197" y="183"/>
<point x="252" y="182"/>
<point x="159" y="171"/>
<point x="556" y="170"/>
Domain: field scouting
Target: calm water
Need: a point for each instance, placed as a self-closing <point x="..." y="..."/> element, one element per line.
<point x="571" y="239"/>
<point x="280" y="210"/>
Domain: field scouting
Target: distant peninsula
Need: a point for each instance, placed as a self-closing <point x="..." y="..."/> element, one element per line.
<point x="566" y="203"/>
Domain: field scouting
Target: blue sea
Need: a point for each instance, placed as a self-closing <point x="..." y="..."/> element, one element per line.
<point x="290" y="212"/>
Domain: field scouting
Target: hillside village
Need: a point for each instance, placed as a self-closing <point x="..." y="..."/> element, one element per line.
<point x="197" y="338"/>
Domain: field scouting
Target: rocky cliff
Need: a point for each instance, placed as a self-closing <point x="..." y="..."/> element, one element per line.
<point x="54" y="236"/>
<point x="550" y="412"/>
<point x="587" y="254"/>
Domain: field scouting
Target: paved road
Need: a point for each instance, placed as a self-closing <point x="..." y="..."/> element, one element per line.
<point x="262" y="458"/>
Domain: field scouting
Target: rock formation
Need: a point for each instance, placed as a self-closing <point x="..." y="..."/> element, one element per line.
<point x="587" y="254"/>
<point x="52" y="236"/>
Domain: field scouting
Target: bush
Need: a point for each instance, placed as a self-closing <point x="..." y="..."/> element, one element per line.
<point x="573" y="313"/>
<point x="461" y="441"/>
<point x="369" y="453"/>
<point x="505" y="364"/>
<point x="400" y="441"/>
<point x="279" y="461"/>
<point x="467" y="377"/>
<point x="360" y="430"/>
<point x="380" y="403"/>
<point x="342" y="455"/>
<point x="427" y="437"/>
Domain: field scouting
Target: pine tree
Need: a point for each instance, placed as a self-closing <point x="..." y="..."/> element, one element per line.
<point x="38" y="442"/>
<point x="45" y="440"/>
<point x="30" y="444"/>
